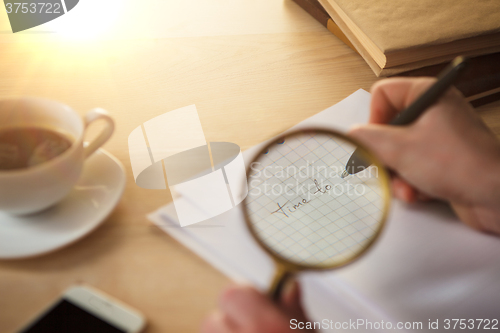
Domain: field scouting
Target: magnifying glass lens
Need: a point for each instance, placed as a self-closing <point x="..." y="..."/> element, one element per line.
<point x="300" y="209"/>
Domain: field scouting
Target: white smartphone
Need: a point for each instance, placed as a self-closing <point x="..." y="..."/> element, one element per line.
<point x="84" y="309"/>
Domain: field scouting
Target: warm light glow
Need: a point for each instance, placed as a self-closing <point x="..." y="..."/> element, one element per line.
<point x="89" y="19"/>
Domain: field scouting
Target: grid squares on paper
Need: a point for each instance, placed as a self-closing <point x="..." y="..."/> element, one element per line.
<point x="303" y="210"/>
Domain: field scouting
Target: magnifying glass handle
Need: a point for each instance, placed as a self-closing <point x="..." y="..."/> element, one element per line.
<point x="280" y="279"/>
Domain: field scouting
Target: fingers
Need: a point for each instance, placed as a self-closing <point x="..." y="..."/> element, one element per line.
<point x="390" y="145"/>
<point x="249" y="309"/>
<point x="424" y="197"/>
<point x="387" y="142"/>
<point x="480" y="218"/>
<point x="391" y="96"/>
<point x="245" y="310"/>
<point x="404" y="191"/>
<point x="217" y="323"/>
<point x="291" y="300"/>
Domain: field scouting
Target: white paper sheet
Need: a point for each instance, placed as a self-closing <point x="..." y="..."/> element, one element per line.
<point x="427" y="265"/>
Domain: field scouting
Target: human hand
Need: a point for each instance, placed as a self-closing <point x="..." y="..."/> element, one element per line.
<point x="448" y="153"/>
<point x="244" y="310"/>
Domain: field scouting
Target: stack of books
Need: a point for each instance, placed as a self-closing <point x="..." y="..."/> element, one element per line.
<point x="409" y="38"/>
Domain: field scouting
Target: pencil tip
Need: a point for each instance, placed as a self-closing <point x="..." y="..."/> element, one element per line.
<point x="344" y="174"/>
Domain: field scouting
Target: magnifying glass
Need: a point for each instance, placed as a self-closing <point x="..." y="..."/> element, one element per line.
<point x="303" y="213"/>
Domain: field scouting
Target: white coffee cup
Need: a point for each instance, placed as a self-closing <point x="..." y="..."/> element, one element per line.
<point x="30" y="190"/>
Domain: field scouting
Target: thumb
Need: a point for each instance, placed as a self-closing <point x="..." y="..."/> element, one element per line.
<point x="386" y="142"/>
<point x="291" y="303"/>
<point x="290" y="297"/>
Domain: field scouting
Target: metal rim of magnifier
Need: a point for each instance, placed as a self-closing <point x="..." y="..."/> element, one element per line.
<point x="383" y="177"/>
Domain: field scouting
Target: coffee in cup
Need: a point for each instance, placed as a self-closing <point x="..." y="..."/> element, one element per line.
<point x="42" y="152"/>
<point x="23" y="147"/>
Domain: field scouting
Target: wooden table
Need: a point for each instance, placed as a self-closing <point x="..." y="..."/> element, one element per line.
<point x="250" y="77"/>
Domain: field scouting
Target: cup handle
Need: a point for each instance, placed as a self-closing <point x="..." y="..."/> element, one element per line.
<point x="90" y="117"/>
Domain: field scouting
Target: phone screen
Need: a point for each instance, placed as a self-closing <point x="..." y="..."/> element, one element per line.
<point x="67" y="317"/>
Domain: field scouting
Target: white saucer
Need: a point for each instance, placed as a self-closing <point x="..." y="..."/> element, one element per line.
<point x="93" y="198"/>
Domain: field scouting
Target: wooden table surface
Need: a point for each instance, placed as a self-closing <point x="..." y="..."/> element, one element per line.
<point x="251" y="76"/>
